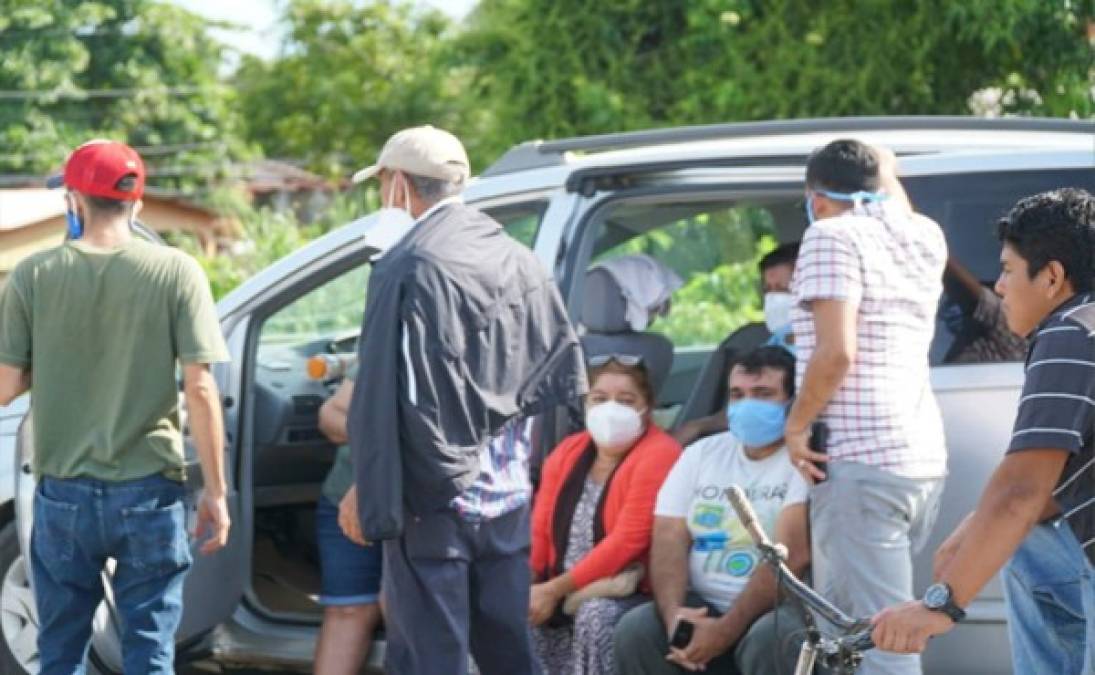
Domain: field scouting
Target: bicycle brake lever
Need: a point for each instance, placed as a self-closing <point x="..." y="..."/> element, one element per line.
<point x="859" y="642"/>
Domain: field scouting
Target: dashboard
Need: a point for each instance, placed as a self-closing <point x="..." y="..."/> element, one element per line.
<point x="291" y="455"/>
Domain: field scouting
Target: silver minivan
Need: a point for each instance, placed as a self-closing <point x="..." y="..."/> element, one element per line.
<point x="706" y="201"/>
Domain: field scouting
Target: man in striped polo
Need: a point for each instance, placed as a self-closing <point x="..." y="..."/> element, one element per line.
<point x="1037" y="514"/>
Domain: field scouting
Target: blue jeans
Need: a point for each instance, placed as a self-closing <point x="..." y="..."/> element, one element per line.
<point x="78" y="524"/>
<point x="349" y="573"/>
<point x="1050" y="589"/>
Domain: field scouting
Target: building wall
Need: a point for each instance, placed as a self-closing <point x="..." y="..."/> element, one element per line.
<point x="18" y="244"/>
<point x="161" y="216"/>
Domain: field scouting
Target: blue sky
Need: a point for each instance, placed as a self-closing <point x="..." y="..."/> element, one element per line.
<point x="259" y="17"/>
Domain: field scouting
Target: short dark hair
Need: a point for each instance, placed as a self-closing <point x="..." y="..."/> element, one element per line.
<point x="1056" y="225"/>
<point x="785" y="254"/>
<point x="843" y="166"/>
<point x="108" y="207"/>
<point x="769" y="356"/>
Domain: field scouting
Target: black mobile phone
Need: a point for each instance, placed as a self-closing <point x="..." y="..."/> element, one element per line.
<point x="819" y="440"/>
<point x="682" y="634"/>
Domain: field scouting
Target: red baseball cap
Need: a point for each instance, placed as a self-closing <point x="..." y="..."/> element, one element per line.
<point x="97" y="168"/>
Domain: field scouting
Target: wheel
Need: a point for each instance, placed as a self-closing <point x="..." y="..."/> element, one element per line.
<point x="18" y="613"/>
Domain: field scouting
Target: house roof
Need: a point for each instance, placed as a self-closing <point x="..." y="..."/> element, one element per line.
<point x="272" y="175"/>
<point x="20" y="207"/>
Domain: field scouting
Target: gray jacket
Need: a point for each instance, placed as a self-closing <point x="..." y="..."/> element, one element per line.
<point x="463" y="330"/>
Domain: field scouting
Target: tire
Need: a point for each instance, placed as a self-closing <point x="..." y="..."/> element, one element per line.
<point x="18" y="614"/>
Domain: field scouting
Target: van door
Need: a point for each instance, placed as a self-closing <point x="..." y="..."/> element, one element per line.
<point x="970" y="379"/>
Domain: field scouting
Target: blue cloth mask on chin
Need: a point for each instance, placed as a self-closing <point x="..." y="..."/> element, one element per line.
<point x="757" y="423"/>
<point x="75" y="225"/>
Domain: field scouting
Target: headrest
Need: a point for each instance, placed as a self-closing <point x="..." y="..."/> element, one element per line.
<point x="604" y="309"/>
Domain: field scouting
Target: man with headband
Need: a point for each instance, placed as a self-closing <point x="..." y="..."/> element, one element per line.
<point x="867" y="284"/>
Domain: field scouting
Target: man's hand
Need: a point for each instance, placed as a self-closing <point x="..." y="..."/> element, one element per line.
<point x="213" y="522"/>
<point x="348" y="518"/>
<point x="798" y="447"/>
<point x="543" y="598"/>
<point x="906" y="628"/>
<point x="709" y="639"/>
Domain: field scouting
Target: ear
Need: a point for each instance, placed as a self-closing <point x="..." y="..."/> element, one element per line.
<point x="1055" y="277"/>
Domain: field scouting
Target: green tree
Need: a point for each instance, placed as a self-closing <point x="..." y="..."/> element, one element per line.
<point x="350" y="74"/>
<point x="141" y="71"/>
<point x="552" y="68"/>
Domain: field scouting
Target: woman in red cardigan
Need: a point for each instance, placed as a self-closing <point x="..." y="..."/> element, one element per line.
<point x="593" y="516"/>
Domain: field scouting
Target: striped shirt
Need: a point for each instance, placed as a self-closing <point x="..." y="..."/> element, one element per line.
<point x="503" y="482"/>
<point x="889" y="264"/>
<point x="1057" y="409"/>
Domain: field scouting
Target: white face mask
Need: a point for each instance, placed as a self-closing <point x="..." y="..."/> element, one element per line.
<point x="391" y="216"/>
<point x="777" y="310"/>
<point x="614" y="425"/>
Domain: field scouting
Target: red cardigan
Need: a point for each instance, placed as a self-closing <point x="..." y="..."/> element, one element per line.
<point x="628" y="507"/>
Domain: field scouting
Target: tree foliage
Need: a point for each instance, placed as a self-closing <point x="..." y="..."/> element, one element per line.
<point x="141" y="71"/>
<point x="552" y="68"/>
<point x="350" y="75"/>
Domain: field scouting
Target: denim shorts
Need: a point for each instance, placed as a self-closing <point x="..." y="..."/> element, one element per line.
<point x="349" y="573"/>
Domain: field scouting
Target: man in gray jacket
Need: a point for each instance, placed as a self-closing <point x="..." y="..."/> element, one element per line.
<point x="465" y="337"/>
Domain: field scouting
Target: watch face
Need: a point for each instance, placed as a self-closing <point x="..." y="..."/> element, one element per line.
<point x="936" y="596"/>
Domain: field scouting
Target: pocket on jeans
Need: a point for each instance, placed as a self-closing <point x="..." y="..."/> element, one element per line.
<point x="155" y="537"/>
<point x="54" y="528"/>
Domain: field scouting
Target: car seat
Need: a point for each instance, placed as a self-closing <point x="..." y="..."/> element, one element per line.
<point x="604" y="312"/>
<point x="709" y="393"/>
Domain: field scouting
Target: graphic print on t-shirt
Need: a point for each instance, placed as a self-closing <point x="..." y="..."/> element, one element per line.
<point x="722" y="556"/>
<point x="719" y="535"/>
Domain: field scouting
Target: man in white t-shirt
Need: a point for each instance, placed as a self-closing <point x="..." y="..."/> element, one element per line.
<point x="704" y="567"/>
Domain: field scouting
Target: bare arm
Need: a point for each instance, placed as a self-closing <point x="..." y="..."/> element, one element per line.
<point x="13" y="383"/>
<point x="207" y="427"/>
<point x="887" y="175"/>
<point x="835" y="324"/>
<point x="669" y="566"/>
<point x="334" y="411"/>
<point x="1016" y="498"/>
<point x="1018" y="494"/>
<point x="714" y="636"/>
<point x="760" y="594"/>
<point x="692" y="431"/>
<point x="961" y="285"/>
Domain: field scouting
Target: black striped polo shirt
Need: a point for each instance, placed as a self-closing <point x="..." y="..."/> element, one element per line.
<point x="1057" y="409"/>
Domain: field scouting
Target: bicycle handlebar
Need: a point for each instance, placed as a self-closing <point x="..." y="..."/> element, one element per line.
<point x="775" y="555"/>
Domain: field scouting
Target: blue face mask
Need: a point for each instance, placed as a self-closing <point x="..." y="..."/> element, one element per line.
<point x="779" y="339"/>
<point x="854" y="197"/>
<point x="757" y="423"/>
<point x="75" y="225"/>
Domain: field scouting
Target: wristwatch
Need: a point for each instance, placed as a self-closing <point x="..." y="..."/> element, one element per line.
<point x="940" y="598"/>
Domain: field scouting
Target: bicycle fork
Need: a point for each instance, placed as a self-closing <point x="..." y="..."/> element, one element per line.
<point x="807" y="656"/>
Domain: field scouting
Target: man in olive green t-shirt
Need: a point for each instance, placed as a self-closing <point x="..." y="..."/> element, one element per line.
<point x="98" y="328"/>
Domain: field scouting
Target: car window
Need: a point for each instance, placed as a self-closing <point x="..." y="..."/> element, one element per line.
<point x="714" y="247"/>
<point x="521" y="221"/>
<point x="327" y="313"/>
<point x="967" y="207"/>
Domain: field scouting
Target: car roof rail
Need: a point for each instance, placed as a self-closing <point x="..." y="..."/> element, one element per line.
<point x="540" y="154"/>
